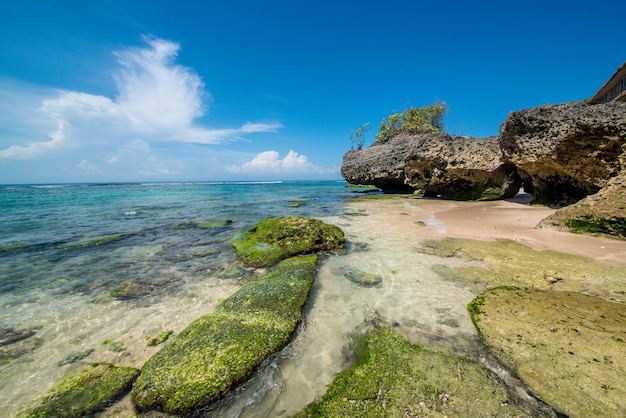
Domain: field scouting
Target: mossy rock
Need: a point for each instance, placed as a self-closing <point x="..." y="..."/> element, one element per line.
<point x="218" y="351"/>
<point x="159" y="339"/>
<point x="589" y="224"/>
<point x="275" y="239"/>
<point x="567" y="347"/>
<point x="395" y="378"/>
<point x="85" y="390"/>
<point x="508" y="263"/>
<point x="363" y="279"/>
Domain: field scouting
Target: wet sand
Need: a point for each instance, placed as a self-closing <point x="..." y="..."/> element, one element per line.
<point x="516" y="220"/>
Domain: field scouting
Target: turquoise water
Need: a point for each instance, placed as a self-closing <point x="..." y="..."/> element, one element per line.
<point x="97" y="269"/>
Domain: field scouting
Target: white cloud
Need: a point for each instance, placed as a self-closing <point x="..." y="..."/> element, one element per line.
<point x="157" y="100"/>
<point x="269" y="162"/>
<point x="34" y="149"/>
<point x="85" y="165"/>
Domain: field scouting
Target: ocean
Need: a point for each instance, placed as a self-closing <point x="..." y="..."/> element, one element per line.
<point x="92" y="272"/>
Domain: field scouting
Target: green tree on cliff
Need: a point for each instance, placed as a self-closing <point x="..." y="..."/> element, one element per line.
<point x="413" y="120"/>
<point x="356" y="136"/>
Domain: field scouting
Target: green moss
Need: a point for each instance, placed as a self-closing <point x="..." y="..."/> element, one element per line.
<point x="13" y="246"/>
<point x="360" y="186"/>
<point x="564" y="346"/>
<point x="493" y="193"/>
<point x="512" y="264"/>
<point x="212" y="224"/>
<point x="85" y="391"/>
<point x="275" y="239"/>
<point x="296" y="203"/>
<point x="394" y="378"/>
<point x="159" y="339"/>
<point x="218" y="351"/>
<point x="590" y="224"/>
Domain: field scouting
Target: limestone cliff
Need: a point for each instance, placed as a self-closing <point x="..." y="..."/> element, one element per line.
<point x="435" y="164"/>
<point x="566" y="151"/>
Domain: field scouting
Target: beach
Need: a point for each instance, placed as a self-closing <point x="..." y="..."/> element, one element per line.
<point x="384" y="234"/>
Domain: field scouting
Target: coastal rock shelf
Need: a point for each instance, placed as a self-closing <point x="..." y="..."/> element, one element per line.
<point x="394" y="377"/>
<point x="567" y="347"/>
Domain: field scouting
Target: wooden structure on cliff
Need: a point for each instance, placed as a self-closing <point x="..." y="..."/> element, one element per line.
<point x="614" y="90"/>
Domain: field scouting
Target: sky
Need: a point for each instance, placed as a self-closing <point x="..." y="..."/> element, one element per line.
<point x="140" y="91"/>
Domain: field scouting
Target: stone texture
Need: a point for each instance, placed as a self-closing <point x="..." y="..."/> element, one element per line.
<point x="567" y="151"/>
<point x="603" y="213"/>
<point x="436" y="164"/>
<point x="560" y="153"/>
<point x="567" y="347"/>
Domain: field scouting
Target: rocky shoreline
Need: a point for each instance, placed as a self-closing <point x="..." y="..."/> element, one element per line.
<point x="561" y="154"/>
<point x="554" y="320"/>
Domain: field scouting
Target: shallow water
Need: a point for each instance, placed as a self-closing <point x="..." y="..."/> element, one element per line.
<point x="411" y="297"/>
<point x="106" y="267"/>
<point x="178" y="272"/>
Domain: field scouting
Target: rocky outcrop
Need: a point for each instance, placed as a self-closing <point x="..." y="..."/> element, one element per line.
<point x="603" y="213"/>
<point x="560" y="153"/>
<point x="435" y="164"/>
<point x="563" y="345"/>
<point x="566" y="151"/>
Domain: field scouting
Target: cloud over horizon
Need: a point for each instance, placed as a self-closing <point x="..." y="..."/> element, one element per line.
<point x="157" y="100"/>
<point x="269" y="162"/>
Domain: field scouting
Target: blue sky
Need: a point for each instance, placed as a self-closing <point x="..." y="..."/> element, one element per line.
<point x="113" y="90"/>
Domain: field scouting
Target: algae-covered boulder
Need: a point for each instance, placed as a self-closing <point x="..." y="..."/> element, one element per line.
<point x="85" y="390"/>
<point x="220" y="350"/>
<point x="394" y="378"/>
<point x="567" y="347"/>
<point x="275" y="239"/>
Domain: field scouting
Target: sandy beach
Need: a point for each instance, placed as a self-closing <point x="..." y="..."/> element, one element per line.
<point x="512" y="219"/>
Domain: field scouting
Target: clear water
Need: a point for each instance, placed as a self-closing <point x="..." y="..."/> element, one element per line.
<point x="99" y="269"/>
<point x="83" y="265"/>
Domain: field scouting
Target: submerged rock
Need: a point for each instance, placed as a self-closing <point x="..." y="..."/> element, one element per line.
<point x="361" y="278"/>
<point x="394" y="378"/>
<point x="15" y="343"/>
<point x="84" y="391"/>
<point x="568" y="348"/>
<point x="73" y="358"/>
<point x="275" y="239"/>
<point x="218" y="351"/>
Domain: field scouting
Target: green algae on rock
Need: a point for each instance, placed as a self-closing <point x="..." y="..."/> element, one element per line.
<point x="395" y="378"/>
<point x="275" y="239"/>
<point x="567" y="347"/>
<point x="85" y="390"/>
<point x="220" y="350"/>
<point x="510" y="263"/>
<point x="159" y="339"/>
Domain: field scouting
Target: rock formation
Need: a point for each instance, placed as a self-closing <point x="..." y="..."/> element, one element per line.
<point x="560" y="154"/>
<point x="567" y="151"/>
<point x="436" y="164"/>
